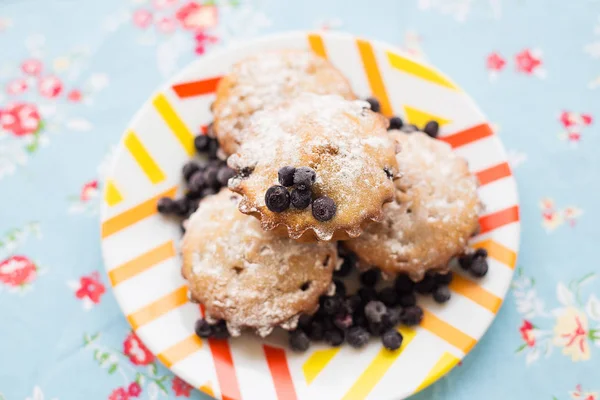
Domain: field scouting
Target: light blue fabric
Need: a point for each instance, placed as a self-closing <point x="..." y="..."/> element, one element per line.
<point x="94" y="47"/>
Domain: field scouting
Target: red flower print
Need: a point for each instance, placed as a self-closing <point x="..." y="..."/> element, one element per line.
<point x="134" y="389"/>
<point x="180" y="387"/>
<point x="119" y="394"/>
<point x="527" y="62"/>
<point x="566" y="119"/>
<point x="74" y="96"/>
<point x="32" y="67"/>
<point x="495" y="62"/>
<point x="166" y="25"/>
<point x="136" y="351"/>
<point x="90" y="288"/>
<point x="20" y="118"/>
<point x="142" y="18"/>
<point x="194" y="16"/>
<point x="202" y="40"/>
<point x="89" y="190"/>
<point x="527" y="334"/>
<point x="17" y="86"/>
<point x="17" y="271"/>
<point x="50" y="86"/>
<point x="586" y="119"/>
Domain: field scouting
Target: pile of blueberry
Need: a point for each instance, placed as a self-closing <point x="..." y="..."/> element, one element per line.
<point x="278" y="198"/>
<point x="354" y="318"/>
<point x="203" y="178"/>
<point x="432" y="128"/>
<point x="475" y="263"/>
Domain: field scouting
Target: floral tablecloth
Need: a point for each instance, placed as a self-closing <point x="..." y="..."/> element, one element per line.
<point x="72" y="73"/>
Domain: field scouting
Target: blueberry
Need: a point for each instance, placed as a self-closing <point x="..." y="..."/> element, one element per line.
<point x="388" y="296"/>
<point x="197" y="182"/>
<point x="304" y="322"/>
<point x="370" y="277"/>
<point x="224" y="174"/>
<point x="331" y="305"/>
<point x="432" y="128"/>
<point x="246" y="172"/>
<point x="394" y="316"/>
<point x="410" y="128"/>
<point x="404" y="284"/>
<point x="465" y="261"/>
<point x="352" y="303"/>
<point x="367" y="294"/>
<point x="317" y="331"/>
<point x="407" y="300"/>
<point x="388" y="172"/>
<point x="412" y="315"/>
<point x="286" y="176"/>
<point x="189" y="169"/>
<point x="479" y="267"/>
<point x="304" y="178"/>
<point x="219" y="330"/>
<point x="360" y="320"/>
<point x="213" y="149"/>
<point x="202" y="328"/>
<point x="347" y="266"/>
<point x="181" y="207"/>
<point x="340" y="288"/>
<point x="201" y="143"/>
<point x="426" y="285"/>
<point x="334" y="337"/>
<point x="391" y="339"/>
<point x="481" y="252"/>
<point x="357" y="336"/>
<point x="323" y="209"/>
<point x="441" y="294"/>
<point x="299" y="341"/>
<point x="375" y="311"/>
<point x="376" y="329"/>
<point x="165" y="205"/>
<point x="396" y="123"/>
<point x="443" y="279"/>
<point x="343" y="321"/>
<point x="374" y="103"/>
<point x="300" y="199"/>
<point x="277" y="198"/>
<point x="210" y="176"/>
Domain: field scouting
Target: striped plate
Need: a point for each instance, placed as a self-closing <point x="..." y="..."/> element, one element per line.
<point x="140" y="247"/>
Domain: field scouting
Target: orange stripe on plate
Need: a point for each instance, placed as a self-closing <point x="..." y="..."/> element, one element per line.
<point x="498" y="252"/>
<point x="280" y="372"/>
<point x="447" y="332"/>
<point x="316" y="44"/>
<point x="367" y="54"/>
<point x="498" y="219"/>
<point x="207" y="388"/>
<point x="152" y="311"/>
<point x="476" y="293"/>
<point x="467" y="136"/>
<point x="134" y="214"/>
<point x="180" y="351"/>
<point x="196" y="88"/>
<point x="444" y="364"/>
<point x="493" y="174"/>
<point x="142" y="263"/>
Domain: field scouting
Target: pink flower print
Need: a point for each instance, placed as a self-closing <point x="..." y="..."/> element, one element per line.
<point x="16" y="86"/>
<point x="571" y="333"/>
<point x="194" y="16"/>
<point x="527" y="62"/>
<point x="142" y="18"/>
<point x="527" y="333"/>
<point x="119" y="394"/>
<point x="89" y="190"/>
<point x="180" y="387"/>
<point x="166" y="25"/>
<point x="134" y="389"/>
<point x="495" y="62"/>
<point x="574" y="136"/>
<point x="90" y="288"/>
<point x="17" y="271"/>
<point x="32" y="67"/>
<point x="586" y="119"/>
<point x="202" y="40"/>
<point x="50" y="86"/>
<point x="137" y="352"/>
<point x="580" y="394"/>
<point x="20" y="118"/>
<point x="74" y="96"/>
<point x="566" y="119"/>
<point x="159" y="4"/>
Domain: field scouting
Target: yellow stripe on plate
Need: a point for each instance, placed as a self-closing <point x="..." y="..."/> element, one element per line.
<point x="420" y="117"/>
<point x="419" y="70"/>
<point x="316" y="44"/>
<point x="158" y="308"/>
<point x="207" y="389"/>
<point x="446" y="362"/>
<point x="177" y="126"/>
<point x="112" y="195"/>
<point x="180" y="351"/>
<point x="447" y="332"/>
<point x="498" y="252"/>
<point x="317" y="362"/>
<point x="378" y="367"/>
<point x="143" y="158"/>
<point x="141" y="263"/>
<point x="475" y="293"/>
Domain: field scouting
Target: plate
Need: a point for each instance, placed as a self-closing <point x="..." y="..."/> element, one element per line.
<point x="140" y="246"/>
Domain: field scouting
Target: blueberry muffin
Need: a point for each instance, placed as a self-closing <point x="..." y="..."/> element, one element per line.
<point x="246" y="276"/>
<point x="315" y="167"/>
<point x="435" y="211"/>
<point x="267" y="79"/>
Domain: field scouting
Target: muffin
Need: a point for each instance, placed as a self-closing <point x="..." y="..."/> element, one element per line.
<point x="268" y="79"/>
